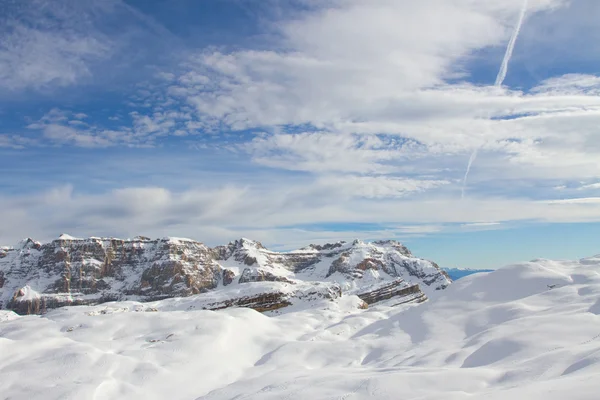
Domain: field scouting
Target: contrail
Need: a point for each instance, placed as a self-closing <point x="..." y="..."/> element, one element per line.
<point x="471" y="159"/>
<point x="499" y="79"/>
<point x="511" y="46"/>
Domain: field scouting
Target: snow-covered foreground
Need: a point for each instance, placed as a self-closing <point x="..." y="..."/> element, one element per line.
<point x="528" y="331"/>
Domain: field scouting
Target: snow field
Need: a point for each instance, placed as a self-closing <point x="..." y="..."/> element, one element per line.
<point x="528" y="331"/>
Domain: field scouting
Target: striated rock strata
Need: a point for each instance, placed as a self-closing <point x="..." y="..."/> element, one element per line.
<point x="35" y="277"/>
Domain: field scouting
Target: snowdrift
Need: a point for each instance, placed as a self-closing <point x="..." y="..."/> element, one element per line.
<point x="526" y="331"/>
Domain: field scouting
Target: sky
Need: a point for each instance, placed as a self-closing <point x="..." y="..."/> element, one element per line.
<point x="467" y="129"/>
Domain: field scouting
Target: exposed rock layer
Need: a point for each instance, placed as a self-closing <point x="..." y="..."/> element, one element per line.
<point x="35" y="277"/>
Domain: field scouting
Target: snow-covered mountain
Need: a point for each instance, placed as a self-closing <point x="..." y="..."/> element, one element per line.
<point x="527" y="331"/>
<point x="458" y="273"/>
<point x="35" y="277"/>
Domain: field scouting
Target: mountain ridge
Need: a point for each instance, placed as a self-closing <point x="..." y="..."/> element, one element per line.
<point x="37" y="276"/>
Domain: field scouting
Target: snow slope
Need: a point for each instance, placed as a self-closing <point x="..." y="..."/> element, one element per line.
<point x="527" y="331"/>
<point x="458" y="273"/>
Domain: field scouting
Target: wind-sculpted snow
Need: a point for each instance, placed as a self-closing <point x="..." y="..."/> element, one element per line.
<point x="458" y="273"/>
<point x="36" y="277"/>
<point x="528" y="331"/>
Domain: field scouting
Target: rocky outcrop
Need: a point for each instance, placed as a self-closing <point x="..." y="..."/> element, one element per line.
<point x="260" y="302"/>
<point x="35" y="277"/>
<point x="254" y="275"/>
<point x="396" y="289"/>
<point x="271" y="301"/>
<point x="228" y="276"/>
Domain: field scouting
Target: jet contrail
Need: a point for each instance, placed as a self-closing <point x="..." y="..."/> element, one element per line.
<point x="471" y="159"/>
<point x="499" y="80"/>
<point x="511" y="46"/>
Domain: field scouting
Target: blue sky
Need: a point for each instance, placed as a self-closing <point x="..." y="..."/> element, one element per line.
<point x="296" y="122"/>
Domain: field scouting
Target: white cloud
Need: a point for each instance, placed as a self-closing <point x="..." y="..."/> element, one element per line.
<point x="570" y="84"/>
<point x="375" y="187"/>
<point x="353" y="70"/>
<point x="581" y="200"/>
<point x="326" y="151"/>
<point x="355" y="61"/>
<point x="590" y="186"/>
<point x="60" y="127"/>
<point x="364" y="100"/>
<point x="47" y="45"/>
<point x="220" y="213"/>
<point x="16" y="141"/>
<point x="475" y="224"/>
<point x="34" y="54"/>
<point x="365" y="69"/>
<point x="64" y="134"/>
<point x="157" y="124"/>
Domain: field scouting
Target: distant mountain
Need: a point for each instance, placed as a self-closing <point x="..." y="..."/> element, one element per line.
<point x="457" y="273"/>
<point x="35" y="277"/>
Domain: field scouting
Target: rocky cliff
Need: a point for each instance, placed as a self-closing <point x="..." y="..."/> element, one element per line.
<point x="35" y="277"/>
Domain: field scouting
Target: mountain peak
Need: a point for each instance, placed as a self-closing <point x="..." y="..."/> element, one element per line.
<point x="246" y="243"/>
<point x="326" y="246"/>
<point x="28" y="243"/>
<point x="66" y="236"/>
<point x="393" y="244"/>
<point x="142" y="238"/>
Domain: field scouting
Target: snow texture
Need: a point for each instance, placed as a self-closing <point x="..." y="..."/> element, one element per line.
<point x="527" y="331"/>
<point x="458" y="273"/>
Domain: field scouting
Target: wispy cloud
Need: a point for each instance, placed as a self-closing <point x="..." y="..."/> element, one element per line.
<point x="481" y="225"/>
<point x="366" y="109"/>
<point x="221" y="212"/>
<point x="47" y="43"/>
<point x="580" y="200"/>
<point x="570" y="84"/>
<point x="328" y="151"/>
<point x="591" y="186"/>
<point x="58" y="129"/>
<point x="16" y="141"/>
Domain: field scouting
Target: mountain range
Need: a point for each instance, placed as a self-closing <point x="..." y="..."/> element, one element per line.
<point x="36" y="277"/>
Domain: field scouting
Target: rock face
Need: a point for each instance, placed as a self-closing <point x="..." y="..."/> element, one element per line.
<point x="394" y="289"/>
<point x="35" y="277"/>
